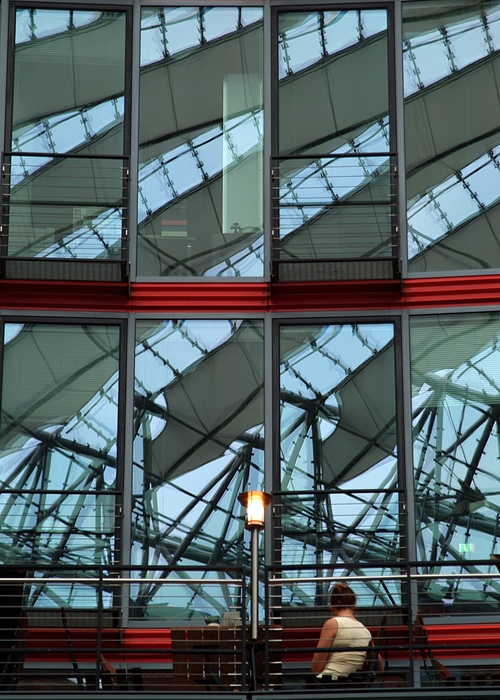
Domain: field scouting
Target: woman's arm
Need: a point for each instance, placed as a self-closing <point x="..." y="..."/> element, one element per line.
<point x="328" y="634"/>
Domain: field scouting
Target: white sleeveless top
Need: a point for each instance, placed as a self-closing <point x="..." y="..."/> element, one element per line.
<point x="351" y="633"/>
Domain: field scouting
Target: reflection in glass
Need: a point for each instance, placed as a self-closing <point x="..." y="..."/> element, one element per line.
<point x="336" y="207"/>
<point x="339" y="473"/>
<point x="68" y="99"/>
<point x="456" y="396"/>
<point x="451" y="56"/>
<point x="198" y="444"/>
<point x="201" y="130"/>
<point x="336" y="61"/>
<point x="340" y="202"/>
<point x="44" y="220"/>
<point x="58" y="448"/>
<point x="33" y="24"/>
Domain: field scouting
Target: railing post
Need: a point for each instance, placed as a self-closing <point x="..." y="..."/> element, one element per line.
<point x="99" y="627"/>
<point x="243" y="603"/>
<point x="412" y="603"/>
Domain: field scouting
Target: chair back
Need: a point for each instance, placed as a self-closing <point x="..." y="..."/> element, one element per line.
<point x="208" y="658"/>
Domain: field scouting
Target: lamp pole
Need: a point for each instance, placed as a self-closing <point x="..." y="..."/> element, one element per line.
<point x="255" y="503"/>
<point x="254" y="558"/>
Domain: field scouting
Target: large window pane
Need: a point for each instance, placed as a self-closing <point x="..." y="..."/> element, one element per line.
<point x="200" y="173"/>
<point x="456" y="385"/>
<point x="198" y="444"/>
<point x="451" y="60"/>
<point x="334" y="207"/>
<point x="68" y="115"/>
<point x="339" y="475"/>
<point x="69" y="81"/>
<point x="335" y="61"/>
<point x="58" y="448"/>
<point x="335" y="189"/>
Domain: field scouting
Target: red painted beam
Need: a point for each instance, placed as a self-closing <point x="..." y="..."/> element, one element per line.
<point x="480" y="641"/>
<point x="152" y="646"/>
<point x="434" y="292"/>
<point x="250" y="297"/>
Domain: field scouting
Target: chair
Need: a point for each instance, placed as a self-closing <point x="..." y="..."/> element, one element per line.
<point x="118" y="679"/>
<point x="211" y="657"/>
<point x="367" y="675"/>
<point x="373" y="654"/>
<point x="437" y="673"/>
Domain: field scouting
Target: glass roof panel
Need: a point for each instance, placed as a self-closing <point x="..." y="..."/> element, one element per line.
<point x="492" y="22"/>
<point x="485" y="183"/>
<point x="219" y="21"/>
<point x="33" y="24"/>
<point x="433" y="55"/>
<point x="177" y="171"/>
<point x="456" y="202"/>
<point x="209" y="149"/>
<point x="64" y="132"/>
<point x="182" y="171"/>
<point x="49" y="22"/>
<point x="102" y="116"/>
<point x="154" y="190"/>
<point x="182" y="28"/>
<point x="453" y="202"/>
<point x="341" y="29"/>
<point x="67" y="134"/>
<point x="307" y="39"/>
<point x="152" y="46"/>
<point x="300" y="45"/>
<point x="169" y="31"/>
<point x="249" y="15"/>
<point x="373" y="22"/>
<point x="468" y="42"/>
<point x="23" y="26"/>
<point x="82" y="18"/>
<point x="247" y="262"/>
<point x="242" y="135"/>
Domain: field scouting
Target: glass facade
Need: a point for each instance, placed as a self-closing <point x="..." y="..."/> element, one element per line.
<point x="198" y="443"/>
<point x="339" y="467"/>
<point x="66" y="163"/>
<point x="455" y="381"/>
<point x="319" y="52"/>
<point x="329" y="374"/>
<point x="450" y="62"/>
<point x="208" y="200"/>
<point x="59" y="449"/>
<point x="204" y="149"/>
<point x="336" y="193"/>
<point x="201" y="142"/>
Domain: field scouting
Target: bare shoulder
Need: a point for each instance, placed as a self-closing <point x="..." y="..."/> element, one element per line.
<point x="331" y="625"/>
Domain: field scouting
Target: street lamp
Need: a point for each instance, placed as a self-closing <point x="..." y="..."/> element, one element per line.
<point x="255" y="503"/>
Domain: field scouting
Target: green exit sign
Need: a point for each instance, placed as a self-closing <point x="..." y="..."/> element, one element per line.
<point x="464" y="547"/>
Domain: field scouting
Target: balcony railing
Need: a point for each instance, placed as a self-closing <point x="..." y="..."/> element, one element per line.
<point x="435" y="625"/>
<point x="64" y="217"/>
<point x="335" y="217"/>
<point x="136" y="630"/>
